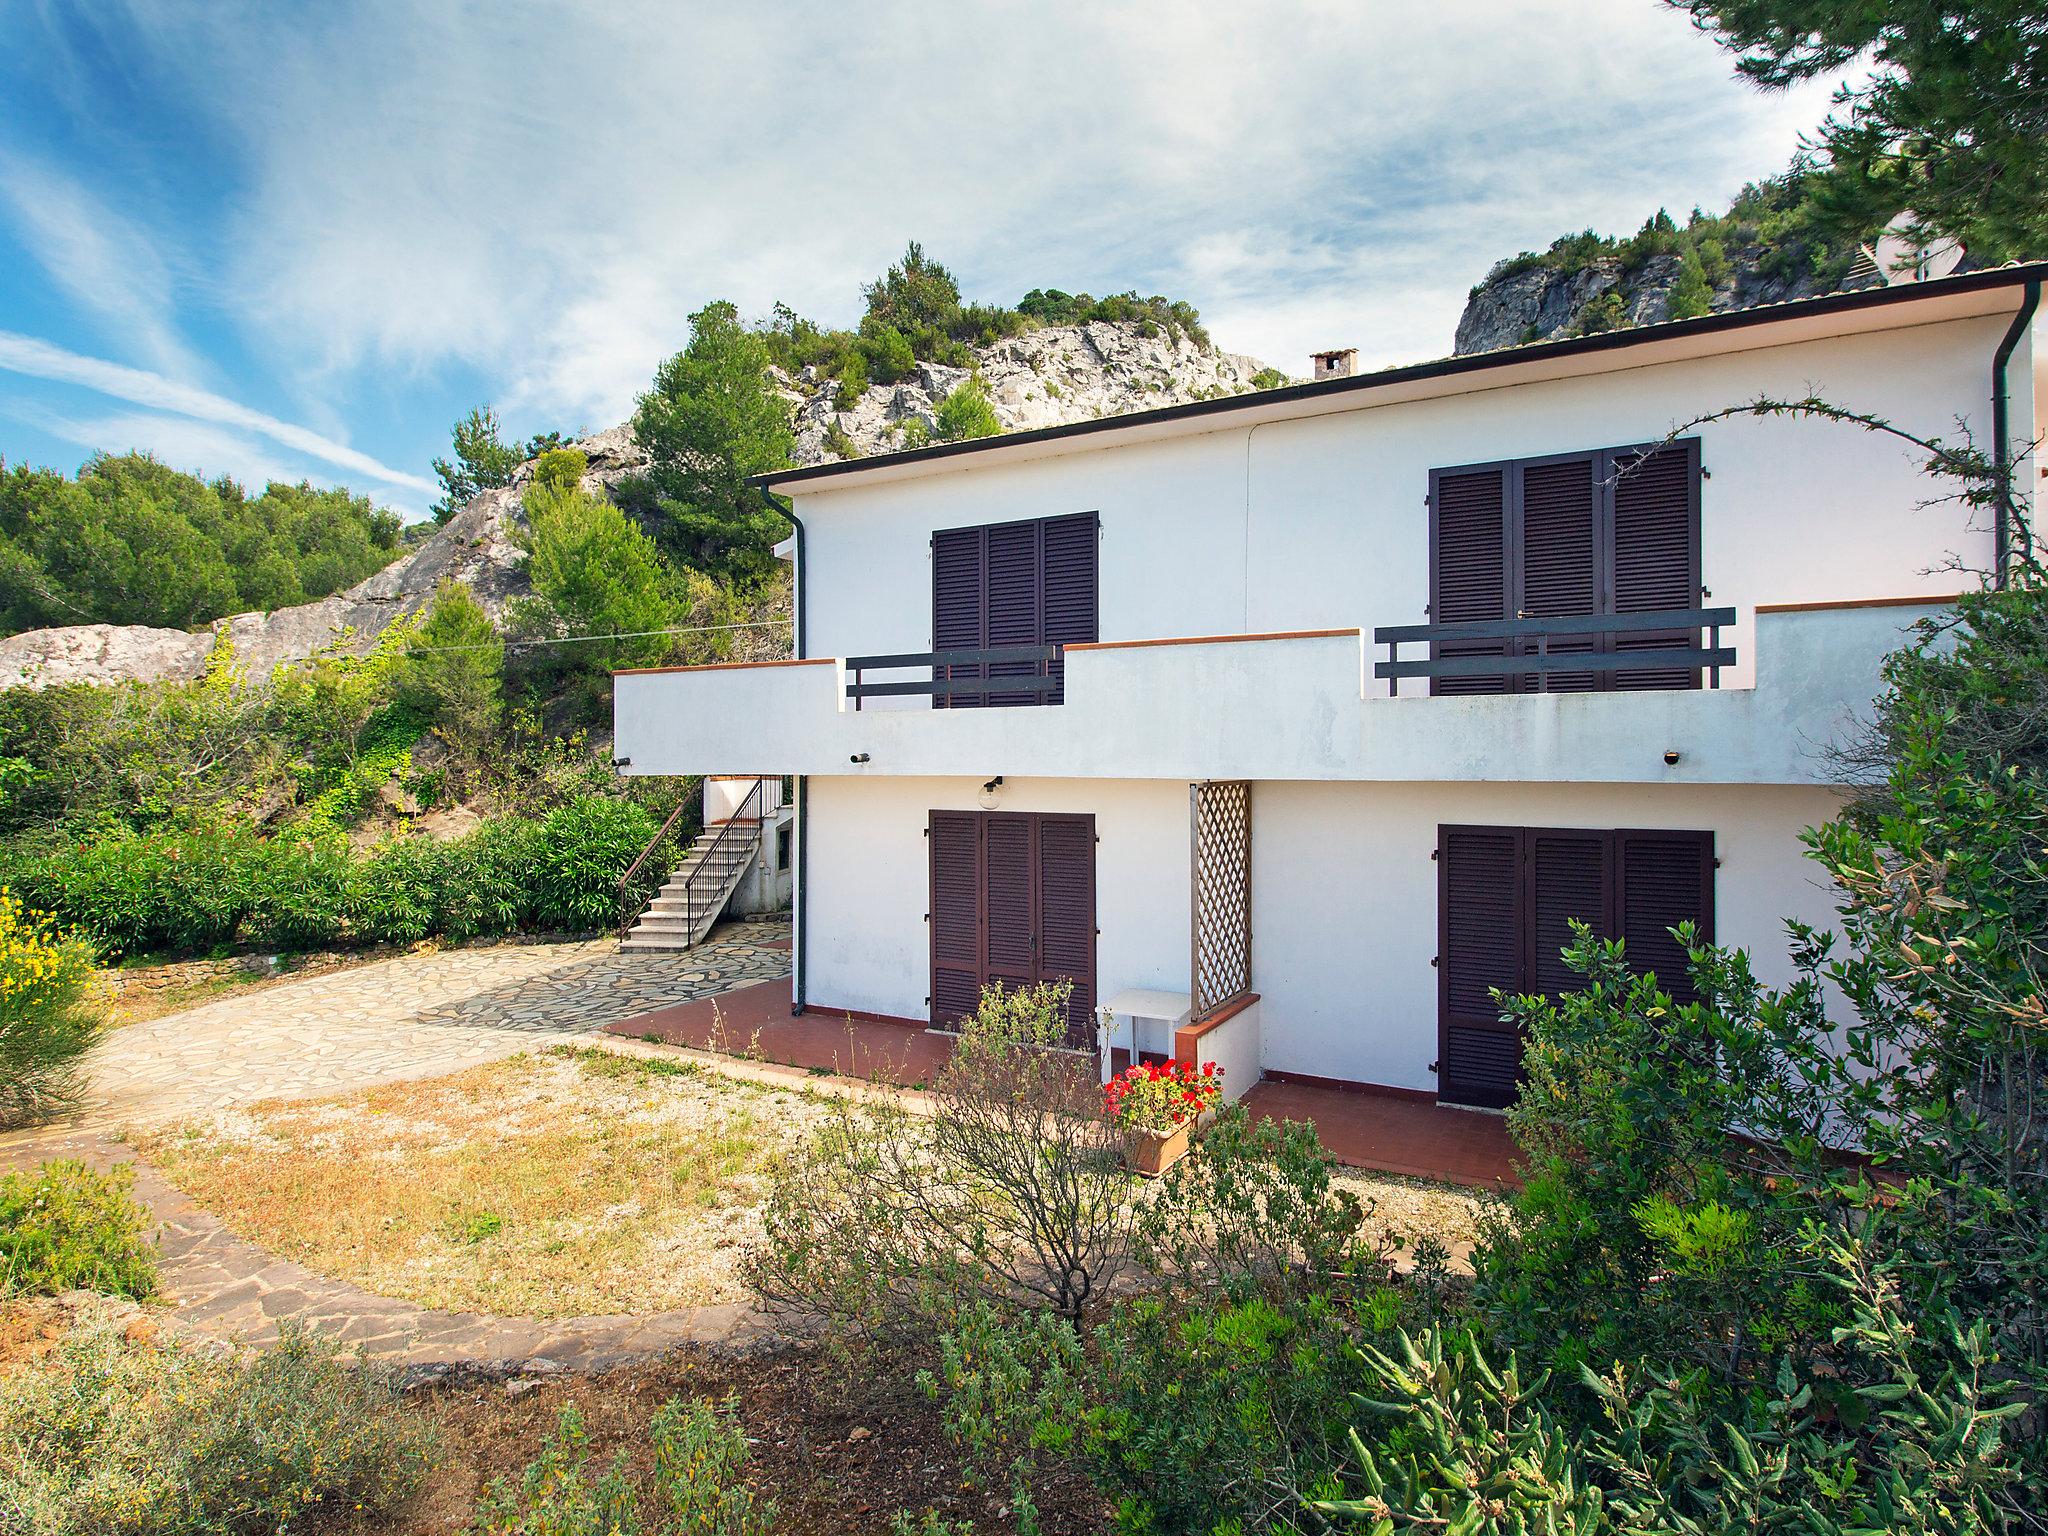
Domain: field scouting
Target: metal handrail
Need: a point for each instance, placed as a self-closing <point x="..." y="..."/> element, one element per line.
<point x="1041" y="681"/>
<point x="1713" y="656"/>
<point x="712" y="855"/>
<point x="628" y="915"/>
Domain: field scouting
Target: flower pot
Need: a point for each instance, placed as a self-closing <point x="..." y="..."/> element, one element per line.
<point x="1153" y="1152"/>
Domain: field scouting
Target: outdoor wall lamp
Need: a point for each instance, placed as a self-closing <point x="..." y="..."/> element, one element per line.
<point x="1671" y="756"/>
<point x="622" y="762"/>
<point x="989" y="793"/>
<point x="858" y="757"/>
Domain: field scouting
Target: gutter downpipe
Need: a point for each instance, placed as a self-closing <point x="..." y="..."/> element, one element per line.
<point x="800" y="938"/>
<point x="2001" y="445"/>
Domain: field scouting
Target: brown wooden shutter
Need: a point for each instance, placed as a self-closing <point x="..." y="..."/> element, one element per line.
<point x="1010" y="901"/>
<point x="1066" y="907"/>
<point x="956" y="915"/>
<point x="1656" y="554"/>
<point x="1557" y="548"/>
<point x="1069" y="547"/>
<point x="1016" y="602"/>
<point x="1571" y="877"/>
<point x="1468" y="569"/>
<point x="959" y="606"/>
<point x="1480" y="945"/>
<point x="1663" y="879"/>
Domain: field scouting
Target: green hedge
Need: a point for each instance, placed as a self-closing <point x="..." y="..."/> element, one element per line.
<point x="196" y="887"/>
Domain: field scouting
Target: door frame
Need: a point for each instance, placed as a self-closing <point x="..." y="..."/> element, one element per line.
<point x="983" y="820"/>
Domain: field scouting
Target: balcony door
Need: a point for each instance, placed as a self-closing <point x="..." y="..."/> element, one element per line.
<point x="1506" y="900"/>
<point x="1012" y="901"/>
<point x="1002" y="584"/>
<point x="1615" y="531"/>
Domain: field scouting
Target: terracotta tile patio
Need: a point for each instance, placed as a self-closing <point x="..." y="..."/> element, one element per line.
<point x="1394" y="1135"/>
<point x="755" y="1021"/>
<point x="1364" y="1130"/>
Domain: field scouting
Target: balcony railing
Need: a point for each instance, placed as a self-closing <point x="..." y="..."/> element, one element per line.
<point x="1019" y="674"/>
<point x="1526" y="647"/>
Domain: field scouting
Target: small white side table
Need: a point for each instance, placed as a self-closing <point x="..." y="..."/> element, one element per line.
<point x="1161" y="1012"/>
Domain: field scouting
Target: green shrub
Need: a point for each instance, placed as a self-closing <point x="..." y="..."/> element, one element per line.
<point x="484" y="874"/>
<point x="106" y="1440"/>
<point x="853" y="382"/>
<point x="184" y="888"/>
<point x="700" y="1456"/>
<point x="64" y="1227"/>
<point x="1640" y="1231"/>
<point x="193" y="888"/>
<point x="1009" y="1388"/>
<point x="583" y="849"/>
<point x="886" y="354"/>
<point x="1252" y="1211"/>
<point x="1922" y="1439"/>
<point x="49" y="1016"/>
<point x="1218" y="1417"/>
<point x="561" y="469"/>
<point x="966" y="412"/>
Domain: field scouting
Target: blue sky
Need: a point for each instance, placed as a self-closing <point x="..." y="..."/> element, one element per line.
<point x="278" y="240"/>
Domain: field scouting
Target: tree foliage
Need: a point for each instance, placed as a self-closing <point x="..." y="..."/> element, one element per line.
<point x="483" y="461"/>
<point x="710" y="421"/>
<point x="1950" y="122"/>
<point x="133" y="541"/>
<point x="594" y="573"/>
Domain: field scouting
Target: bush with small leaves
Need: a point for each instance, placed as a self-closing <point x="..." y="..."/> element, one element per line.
<point x="104" y="1438"/>
<point x="66" y="1227"/>
<point x="1013" y="1189"/>
<point x="700" y="1457"/>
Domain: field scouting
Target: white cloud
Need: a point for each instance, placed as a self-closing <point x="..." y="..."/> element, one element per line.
<point x="106" y="263"/>
<point x="40" y="359"/>
<point x="543" y="193"/>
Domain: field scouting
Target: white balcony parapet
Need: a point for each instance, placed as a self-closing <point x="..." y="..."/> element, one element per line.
<point x="1286" y="706"/>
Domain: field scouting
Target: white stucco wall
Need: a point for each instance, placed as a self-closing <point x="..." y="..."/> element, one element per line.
<point x="1344" y="900"/>
<point x="867" y="947"/>
<point x="1321" y="522"/>
<point x="1343" y="891"/>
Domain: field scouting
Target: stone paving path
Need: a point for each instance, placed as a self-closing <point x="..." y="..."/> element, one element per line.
<point x="417" y="1015"/>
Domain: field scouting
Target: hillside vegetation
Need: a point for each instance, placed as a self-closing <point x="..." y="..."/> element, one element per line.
<point x="130" y="540"/>
<point x="1782" y="238"/>
<point x="427" y="752"/>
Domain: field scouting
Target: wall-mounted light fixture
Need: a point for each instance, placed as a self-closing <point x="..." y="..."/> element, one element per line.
<point x="1671" y="756"/>
<point x="990" y="793"/>
<point x="622" y="762"/>
<point x="858" y="757"/>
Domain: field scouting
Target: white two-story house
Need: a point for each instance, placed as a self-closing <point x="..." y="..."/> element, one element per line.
<point x="1289" y="725"/>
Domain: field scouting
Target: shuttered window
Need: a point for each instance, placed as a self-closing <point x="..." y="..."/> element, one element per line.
<point x="1022" y="583"/>
<point x="1507" y="897"/>
<point x="1607" y="532"/>
<point x="1012" y="901"/>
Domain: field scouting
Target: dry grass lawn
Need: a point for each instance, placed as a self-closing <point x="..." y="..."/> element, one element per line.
<point x="566" y="1183"/>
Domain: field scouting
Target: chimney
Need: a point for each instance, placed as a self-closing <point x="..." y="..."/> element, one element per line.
<point x="1340" y="363"/>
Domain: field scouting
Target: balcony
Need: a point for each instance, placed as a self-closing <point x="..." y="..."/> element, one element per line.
<point x="1585" y="653"/>
<point x="1304" y="705"/>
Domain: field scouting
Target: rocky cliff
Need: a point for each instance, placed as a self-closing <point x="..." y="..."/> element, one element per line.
<point x="1518" y="302"/>
<point x="1041" y="378"/>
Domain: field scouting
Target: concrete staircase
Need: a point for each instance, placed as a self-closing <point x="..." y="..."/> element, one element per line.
<point x="693" y="898"/>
